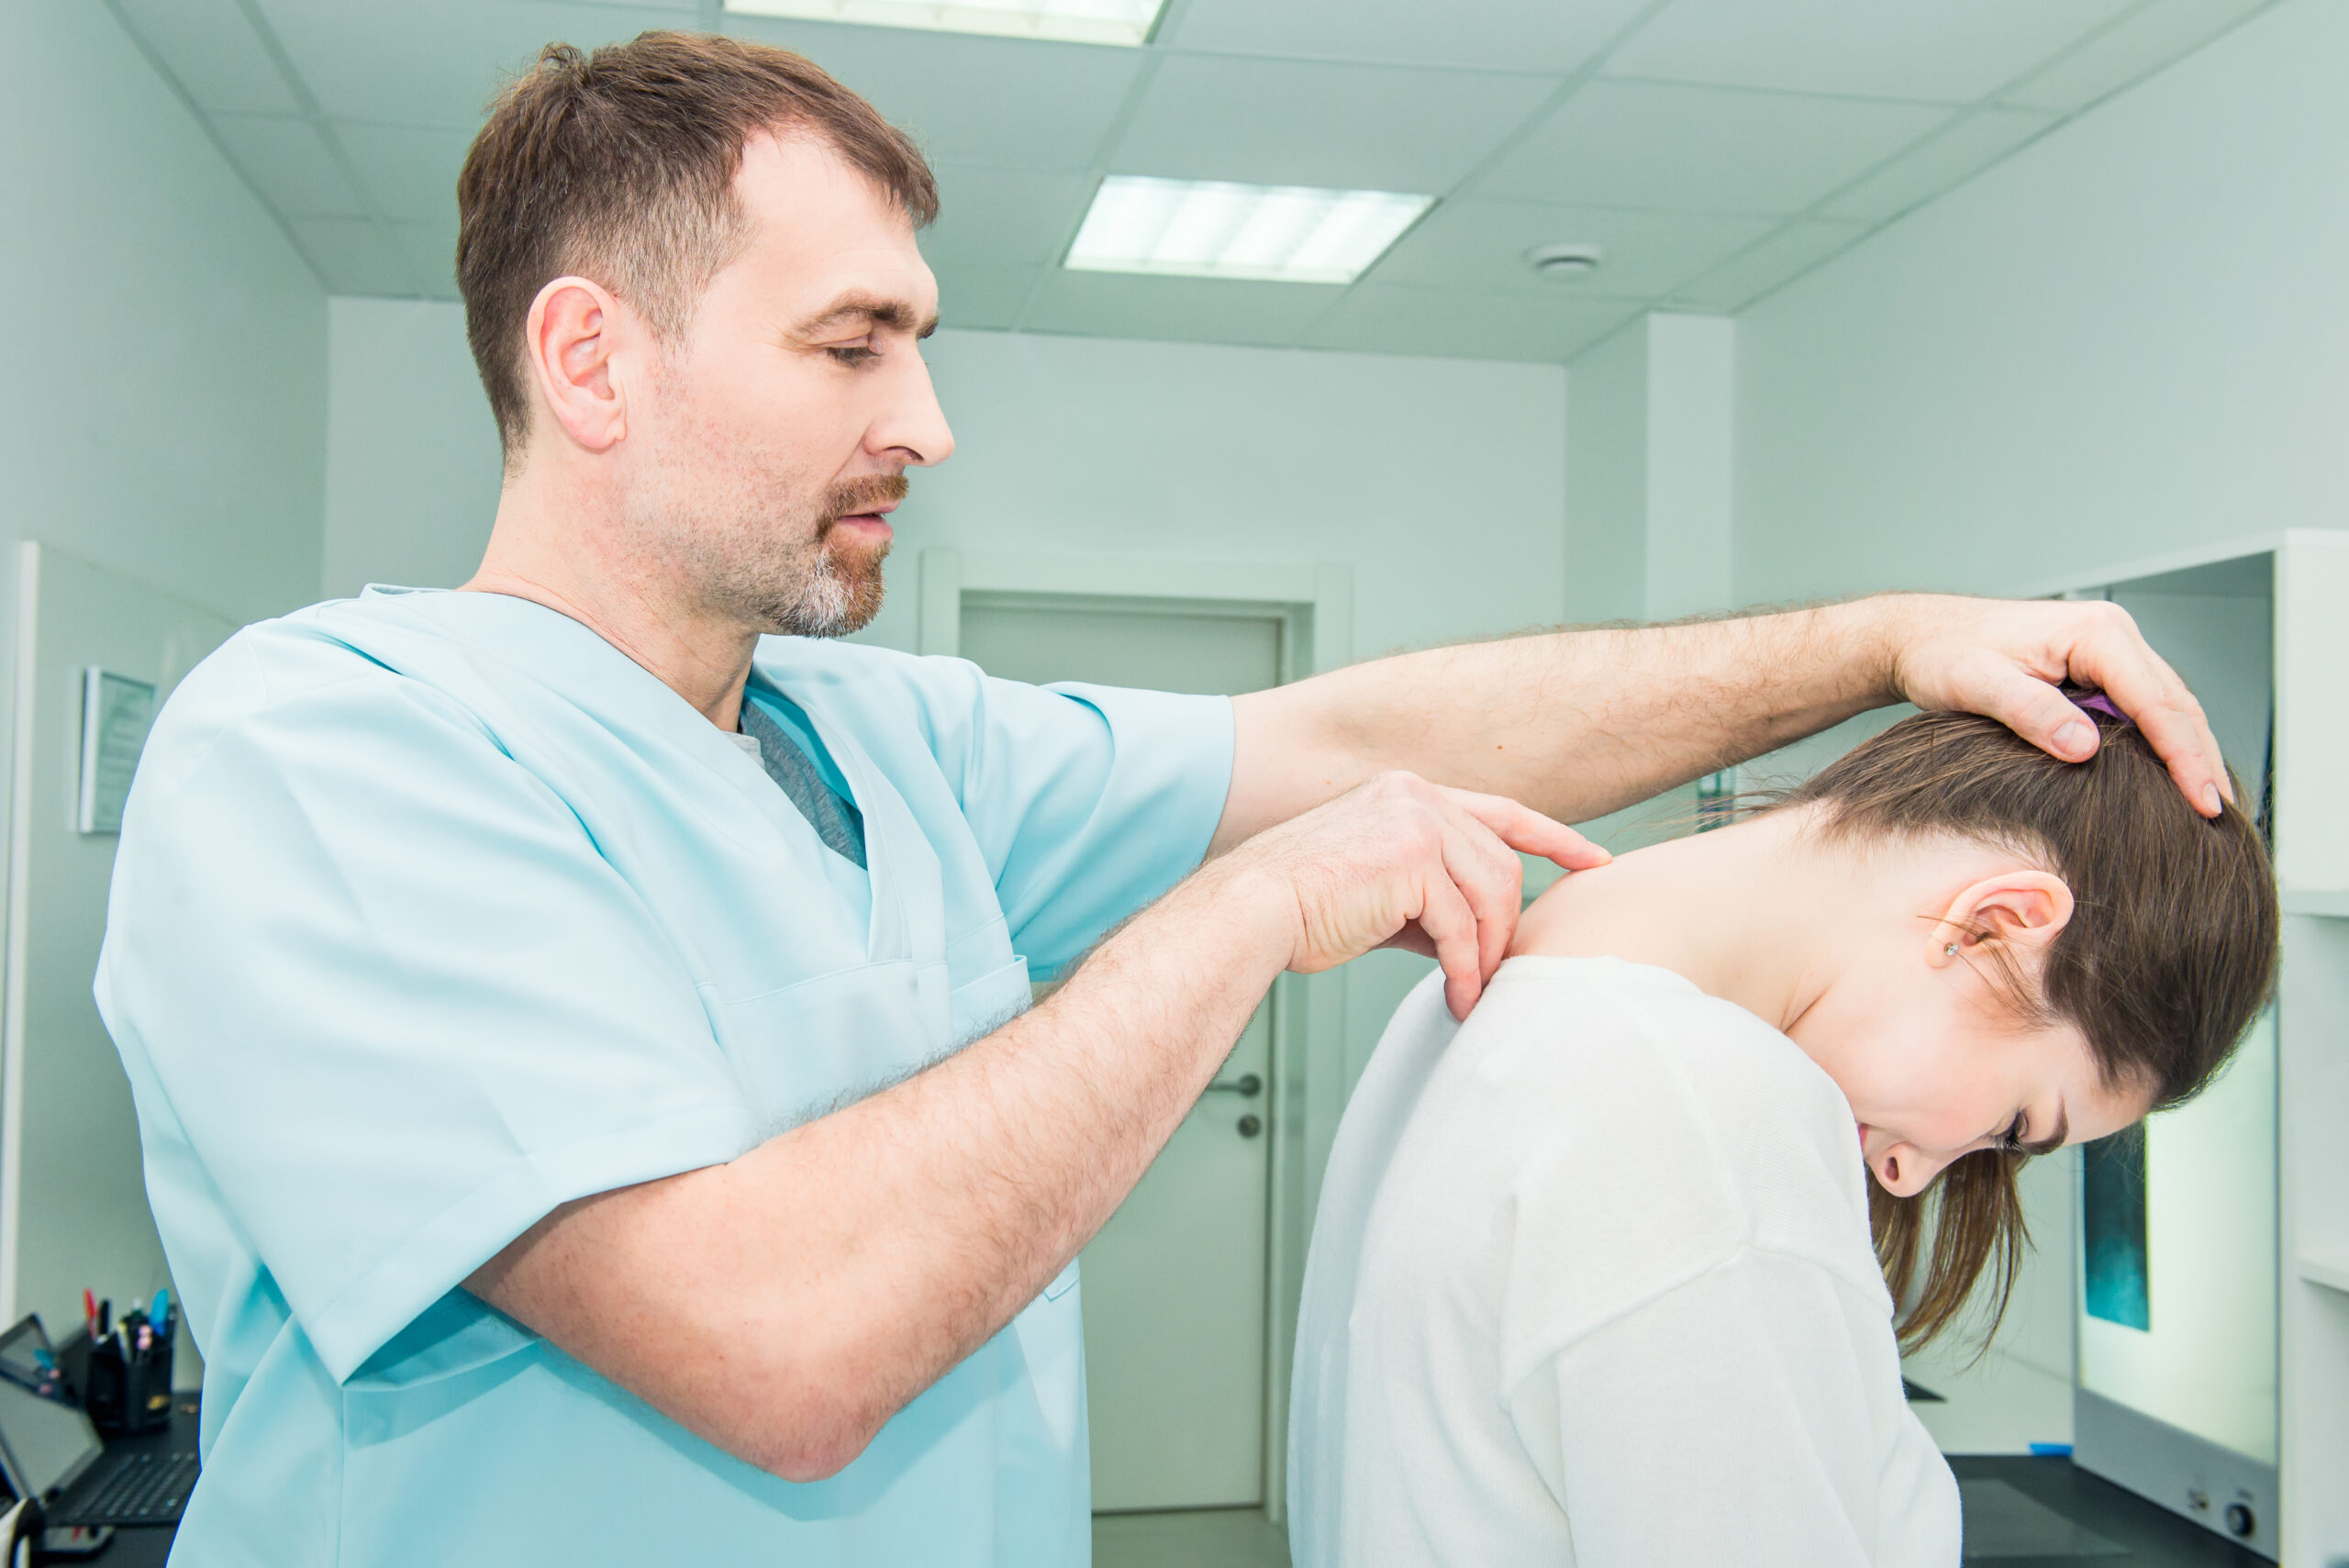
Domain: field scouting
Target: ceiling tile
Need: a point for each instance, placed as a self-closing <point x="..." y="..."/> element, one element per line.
<point x="1207" y="310"/>
<point x="354" y="255"/>
<point x="288" y="164"/>
<point x="2140" y="45"/>
<point x="1783" y="257"/>
<point x="1949" y="53"/>
<point x="1297" y="122"/>
<point x="409" y="172"/>
<point x="216" y="56"/>
<point x="1704" y="148"/>
<point x="1506" y="35"/>
<point x="1396" y="318"/>
<point x="982" y="297"/>
<point x="1948" y="159"/>
<point x="435" y="62"/>
<point x="997" y="218"/>
<point x="1479" y="243"/>
<point x="969" y="99"/>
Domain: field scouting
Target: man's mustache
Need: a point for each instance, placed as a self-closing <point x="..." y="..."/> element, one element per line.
<point x="863" y="495"/>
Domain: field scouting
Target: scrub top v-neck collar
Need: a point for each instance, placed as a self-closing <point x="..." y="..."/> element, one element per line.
<point x="598" y="677"/>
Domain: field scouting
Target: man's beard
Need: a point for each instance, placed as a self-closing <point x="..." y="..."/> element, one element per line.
<point x="828" y="585"/>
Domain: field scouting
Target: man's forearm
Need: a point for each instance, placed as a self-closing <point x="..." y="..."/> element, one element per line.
<point x="866" y="1252"/>
<point x="1574" y="724"/>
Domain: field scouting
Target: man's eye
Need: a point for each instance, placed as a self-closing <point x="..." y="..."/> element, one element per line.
<point x="855" y="354"/>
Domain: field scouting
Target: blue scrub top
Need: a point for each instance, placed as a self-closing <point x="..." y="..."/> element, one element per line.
<point x="433" y="911"/>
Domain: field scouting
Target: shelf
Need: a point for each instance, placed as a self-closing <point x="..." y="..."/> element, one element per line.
<point x="2331" y="1273"/>
<point x="2316" y="901"/>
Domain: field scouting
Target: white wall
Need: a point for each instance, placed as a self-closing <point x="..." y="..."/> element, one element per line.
<point x="162" y="415"/>
<point x="164" y="409"/>
<point x="1607" y="481"/>
<point x="412" y="463"/>
<point x="2128" y="339"/>
<point x="1649" y="472"/>
<point x="1440" y="481"/>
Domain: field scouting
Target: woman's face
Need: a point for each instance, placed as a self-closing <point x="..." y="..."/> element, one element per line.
<point x="1937" y="1061"/>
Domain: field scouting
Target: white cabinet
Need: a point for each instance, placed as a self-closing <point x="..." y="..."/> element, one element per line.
<point x="2230" y="1405"/>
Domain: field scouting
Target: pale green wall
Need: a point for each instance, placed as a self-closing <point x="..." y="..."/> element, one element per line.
<point x="1440" y="481"/>
<point x="1607" y="478"/>
<point x="164" y="409"/>
<point x="412" y="465"/>
<point x="1648" y="463"/>
<point x="2130" y="338"/>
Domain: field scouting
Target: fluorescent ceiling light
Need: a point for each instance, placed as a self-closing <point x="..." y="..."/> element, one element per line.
<point x="1125" y="22"/>
<point x="1205" y="228"/>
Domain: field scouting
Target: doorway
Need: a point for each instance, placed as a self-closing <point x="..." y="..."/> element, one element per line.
<point x="1176" y="1283"/>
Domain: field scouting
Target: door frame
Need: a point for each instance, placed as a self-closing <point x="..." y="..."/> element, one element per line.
<point x="1314" y="602"/>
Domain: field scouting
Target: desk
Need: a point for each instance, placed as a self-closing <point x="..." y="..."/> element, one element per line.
<point x="147" y="1546"/>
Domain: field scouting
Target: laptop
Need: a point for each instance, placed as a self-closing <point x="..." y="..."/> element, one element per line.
<point x="48" y="1449"/>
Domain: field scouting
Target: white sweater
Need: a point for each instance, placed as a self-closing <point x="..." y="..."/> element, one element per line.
<point x="1591" y="1284"/>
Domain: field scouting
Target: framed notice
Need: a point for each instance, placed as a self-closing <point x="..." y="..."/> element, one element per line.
<point x="115" y="714"/>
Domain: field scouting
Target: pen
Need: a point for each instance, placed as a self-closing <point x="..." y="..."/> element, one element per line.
<point x="159" y="1312"/>
<point x="90" y="1310"/>
<point x="106" y="1315"/>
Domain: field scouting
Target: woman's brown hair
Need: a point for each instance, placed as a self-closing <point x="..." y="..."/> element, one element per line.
<point x="2170" y="952"/>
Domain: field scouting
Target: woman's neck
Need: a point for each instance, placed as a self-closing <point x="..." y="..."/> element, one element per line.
<point x="1743" y="914"/>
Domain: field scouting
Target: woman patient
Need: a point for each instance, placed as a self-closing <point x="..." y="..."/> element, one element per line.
<point x="1600" y="1276"/>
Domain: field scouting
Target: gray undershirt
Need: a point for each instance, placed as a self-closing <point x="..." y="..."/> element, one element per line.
<point x="835" y="818"/>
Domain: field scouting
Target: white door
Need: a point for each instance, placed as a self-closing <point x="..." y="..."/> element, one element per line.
<point x="1174" y="1303"/>
<point x="72" y="1191"/>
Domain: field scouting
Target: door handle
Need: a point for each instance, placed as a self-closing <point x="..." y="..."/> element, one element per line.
<point x="1247" y="1086"/>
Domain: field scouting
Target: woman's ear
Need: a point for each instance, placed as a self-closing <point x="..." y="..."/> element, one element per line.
<point x="2025" y="908"/>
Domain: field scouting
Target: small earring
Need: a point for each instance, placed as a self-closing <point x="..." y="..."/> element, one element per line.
<point x="1951" y="950"/>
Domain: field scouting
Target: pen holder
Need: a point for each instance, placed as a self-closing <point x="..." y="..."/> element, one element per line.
<point x="128" y="1390"/>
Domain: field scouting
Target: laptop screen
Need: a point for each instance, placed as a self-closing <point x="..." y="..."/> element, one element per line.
<point x="49" y="1437"/>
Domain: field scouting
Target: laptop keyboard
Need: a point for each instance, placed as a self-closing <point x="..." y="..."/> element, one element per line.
<point x="145" y="1489"/>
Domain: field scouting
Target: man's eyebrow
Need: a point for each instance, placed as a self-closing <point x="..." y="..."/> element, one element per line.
<point x="2053" y="1140"/>
<point x="879" y="309"/>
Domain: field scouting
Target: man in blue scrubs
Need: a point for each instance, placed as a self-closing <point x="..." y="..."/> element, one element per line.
<point x="579" y="1024"/>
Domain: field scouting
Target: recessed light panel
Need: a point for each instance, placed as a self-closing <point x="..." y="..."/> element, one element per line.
<point x="1208" y="228"/>
<point x="1122" y="22"/>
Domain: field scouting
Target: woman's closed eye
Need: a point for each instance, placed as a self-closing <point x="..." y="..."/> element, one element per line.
<point x="2011" y="1141"/>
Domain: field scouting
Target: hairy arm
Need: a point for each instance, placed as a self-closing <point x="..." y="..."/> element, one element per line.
<point x="786" y="1304"/>
<point x="1580" y="723"/>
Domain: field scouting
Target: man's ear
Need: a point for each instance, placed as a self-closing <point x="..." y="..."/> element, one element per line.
<point x="576" y="346"/>
<point x="2025" y="908"/>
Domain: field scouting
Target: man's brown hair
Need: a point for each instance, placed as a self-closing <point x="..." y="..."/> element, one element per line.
<point x="619" y="166"/>
<point x="2170" y="952"/>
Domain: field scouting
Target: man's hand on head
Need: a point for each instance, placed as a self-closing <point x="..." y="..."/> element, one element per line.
<point x="2005" y="659"/>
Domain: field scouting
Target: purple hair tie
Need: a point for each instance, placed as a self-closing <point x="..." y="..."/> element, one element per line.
<point x="2096" y="702"/>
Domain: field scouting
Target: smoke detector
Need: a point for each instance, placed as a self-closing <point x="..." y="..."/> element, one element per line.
<point x="1564" y="262"/>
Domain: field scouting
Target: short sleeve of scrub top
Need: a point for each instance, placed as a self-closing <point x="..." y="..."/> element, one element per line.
<point x="1070" y="790"/>
<point x="418" y="1011"/>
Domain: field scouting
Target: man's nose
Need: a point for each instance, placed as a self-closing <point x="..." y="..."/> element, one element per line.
<point x="912" y="426"/>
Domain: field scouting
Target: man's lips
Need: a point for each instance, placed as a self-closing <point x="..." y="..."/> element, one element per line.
<point x="874" y="524"/>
